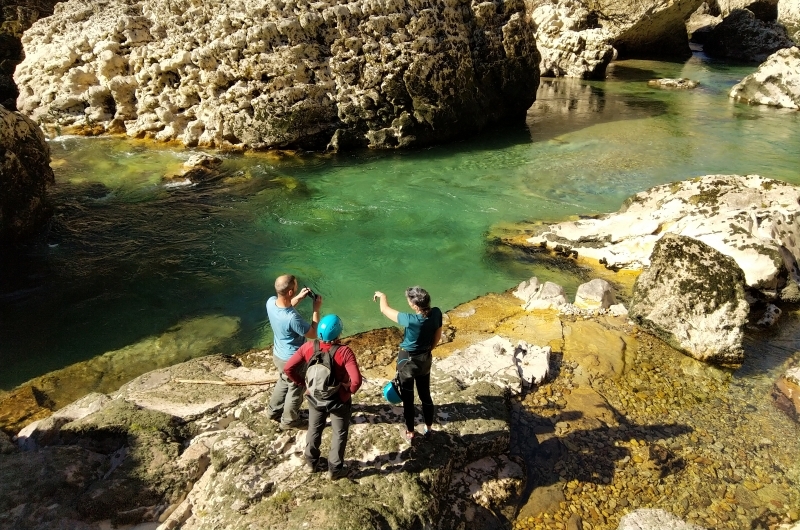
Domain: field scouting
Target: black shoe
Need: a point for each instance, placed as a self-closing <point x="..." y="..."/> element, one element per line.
<point x="296" y="424"/>
<point x="276" y="416"/>
<point x="338" y="473"/>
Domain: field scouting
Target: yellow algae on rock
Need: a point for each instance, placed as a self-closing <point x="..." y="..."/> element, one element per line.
<point x="542" y="328"/>
<point x="107" y="372"/>
<point x="596" y="348"/>
<point x="478" y="320"/>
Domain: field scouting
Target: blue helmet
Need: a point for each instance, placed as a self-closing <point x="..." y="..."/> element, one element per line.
<point x="329" y="328"/>
<point x="391" y="393"/>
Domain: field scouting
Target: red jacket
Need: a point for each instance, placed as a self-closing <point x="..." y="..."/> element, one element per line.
<point x="344" y="367"/>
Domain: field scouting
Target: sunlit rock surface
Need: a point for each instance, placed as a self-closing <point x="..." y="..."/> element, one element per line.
<point x="25" y="174"/>
<point x="692" y="297"/>
<point x="789" y="16"/>
<point x="750" y="218"/>
<point x="263" y="73"/>
<point x="776" y="82"/>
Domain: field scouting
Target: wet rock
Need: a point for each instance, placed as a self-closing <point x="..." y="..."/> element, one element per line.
<point x="742" y="36"/>
<point x="776" y="82"/>
<point x="595" y="294"/>
<point x="649" y="519"/>
<point x="771" y="315"/>
<point x="596" y="349"/>
<point x="786" y="393"/>
<point x="750" y="218"/>
<point x="25" y="175"/>
<point x="45" y="432"/>
<point x="198" y="168"/>
<point x="540" y="296"/>
<point x="255" y="75"/>
<point x="693" y="298"/>
<point x="680" y="83"/>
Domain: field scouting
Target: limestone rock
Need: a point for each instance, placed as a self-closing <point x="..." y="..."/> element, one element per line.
<point x="681" y="83"/>
<point x="692" y="297"/>
<point x="597" y="349"/>
<point x="771" y="315"/>
<point x="775" y="83"/>
<point x="789" y="17"/>
<point x="654" y="519"/>
<point x="540" y="296"/>
<point x="198" y="168"/>
<point x="24" y="176"/>
<point x="742" y="36"/>
<point x="264" y="74"/>
<point x="752" y="219"/>
<point x="45" y="431"/>
<point x="701" y="22"/>
<point x="595" y="294"/>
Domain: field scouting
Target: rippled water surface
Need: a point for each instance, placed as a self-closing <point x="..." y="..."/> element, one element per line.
<point x="127" y="258"/>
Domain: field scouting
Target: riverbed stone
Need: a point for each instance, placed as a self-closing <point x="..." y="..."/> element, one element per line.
<point x="776" y="82"/>
<point x="786" y="393"/>
<point x="692" y="296"/>
<point x="25" y="174"/>
<point x="254" y="74"/>
<point x="750" y="218"/>
<point x="595" y="294"/>
<point x="679" y="83"/>
<point x="742" y="36"/>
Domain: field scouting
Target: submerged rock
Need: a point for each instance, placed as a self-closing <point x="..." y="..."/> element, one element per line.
<point x="750" y="218"/>
<point x="742" y="36"/>
<point x="692" y="297"/>
<point x="263" y="74"/>
<point x="776" y="82"/>
<point x="650" y="519"/>
<point x="25" y="174"/>
<point x="786" y="393"/>
<point x="681" y="83"/>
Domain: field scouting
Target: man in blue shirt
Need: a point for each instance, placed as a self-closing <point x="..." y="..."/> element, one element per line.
<point x="290" y="330"/>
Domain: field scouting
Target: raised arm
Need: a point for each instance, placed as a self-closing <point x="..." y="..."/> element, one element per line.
<point x="388" y="312"/>
<point x="312" y="331"/>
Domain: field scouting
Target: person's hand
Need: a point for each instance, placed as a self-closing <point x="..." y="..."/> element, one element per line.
<point x="317" y="302"/>
<point x="378" y="296"/>
<point x="305" y="291"/>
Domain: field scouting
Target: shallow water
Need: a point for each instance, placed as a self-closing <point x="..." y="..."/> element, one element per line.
<point x="127" y="257"/>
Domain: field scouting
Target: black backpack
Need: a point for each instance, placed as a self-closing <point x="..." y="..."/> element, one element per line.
<point x="322" y="388"/>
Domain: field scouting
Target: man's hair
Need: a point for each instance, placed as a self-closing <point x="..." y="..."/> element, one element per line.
<point x="283" y="283"/>
<point x="420" y="298"/>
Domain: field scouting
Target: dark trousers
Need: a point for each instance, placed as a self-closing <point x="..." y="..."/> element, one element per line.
<point x="340" y="425"/>
<point x="409" y="377"/>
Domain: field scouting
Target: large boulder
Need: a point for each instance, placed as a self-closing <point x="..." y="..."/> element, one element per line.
<point x="25" y="174"/>
<point x="776" y="82"/>
<point x="766" y="10"/>
<point x="750" y="218"/>
<point x="264" y="74"/>
<point x="692" y="297"/>
<point x="789" y="16"/>
<point x="742" y="36"/>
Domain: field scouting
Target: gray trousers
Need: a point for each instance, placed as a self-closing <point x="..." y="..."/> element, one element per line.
<point x="340" y="425"/>
<point x="286" y="396"/>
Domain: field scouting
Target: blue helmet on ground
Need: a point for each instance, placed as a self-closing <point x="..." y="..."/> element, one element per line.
<point x="391" y="393"/>
<point x="329" y="328"/>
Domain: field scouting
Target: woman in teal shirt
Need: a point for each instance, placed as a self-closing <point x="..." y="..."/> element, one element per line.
<point x="423" y="329"/>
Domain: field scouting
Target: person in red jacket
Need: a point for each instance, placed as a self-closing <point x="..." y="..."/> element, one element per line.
<point x="348" y="375"/>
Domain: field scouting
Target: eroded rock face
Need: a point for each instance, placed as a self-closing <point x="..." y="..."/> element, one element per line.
<point x="24" y="176"/>
<point x="262" y="73"/>
<point x="742" y="36"/>
<point x="776" y="82"/>
<point x="789" y="16"/>
<point x="692" y="297"/>
<point x="752" y="219"/>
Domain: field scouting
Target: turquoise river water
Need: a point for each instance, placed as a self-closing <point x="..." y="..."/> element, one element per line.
<point x="127" y="258"/>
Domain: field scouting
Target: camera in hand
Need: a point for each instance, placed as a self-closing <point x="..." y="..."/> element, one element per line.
<point x="313" y="295"/>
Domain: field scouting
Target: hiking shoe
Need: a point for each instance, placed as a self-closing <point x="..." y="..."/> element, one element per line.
<point x="338" y="473"/>
<point x="427" y="432"/>
<point x="296" y="424"/>
<point x="312" y="467"/>
<point x="276" y="416"/>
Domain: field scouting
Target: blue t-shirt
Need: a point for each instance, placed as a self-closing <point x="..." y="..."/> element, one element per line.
<point x="288" y="327"/>
<point x="419" y="330"/>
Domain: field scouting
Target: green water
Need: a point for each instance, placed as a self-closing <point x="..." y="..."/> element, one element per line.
<point x="127" y="258"/>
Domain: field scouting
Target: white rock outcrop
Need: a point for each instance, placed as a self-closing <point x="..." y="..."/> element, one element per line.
<point x="789" y="16"/>
<point x="268" y="73"/>
<point x="776" y="82"/>
<point x="750" y="218"/>
<point x="595" y="294"/>
<point x="536" y="295"/>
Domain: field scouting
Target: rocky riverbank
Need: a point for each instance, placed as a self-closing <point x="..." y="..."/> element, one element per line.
<point x="622" y="423"/>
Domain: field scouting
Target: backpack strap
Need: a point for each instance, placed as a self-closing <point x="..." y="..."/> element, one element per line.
<point x="316" y="346"/>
